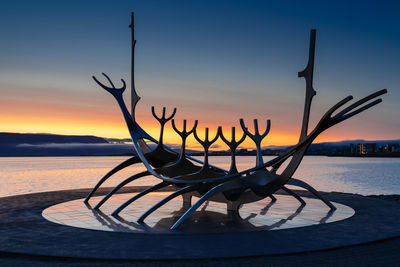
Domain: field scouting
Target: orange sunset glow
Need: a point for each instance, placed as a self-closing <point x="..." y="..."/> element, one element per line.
<point x="102" y="118"/>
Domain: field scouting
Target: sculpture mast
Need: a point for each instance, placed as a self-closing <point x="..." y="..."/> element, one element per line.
<point x="134" y="96"/>
<point x="308" y="74"/>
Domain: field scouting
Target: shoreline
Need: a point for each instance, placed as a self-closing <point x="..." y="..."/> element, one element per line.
<point x="197" y="155"/>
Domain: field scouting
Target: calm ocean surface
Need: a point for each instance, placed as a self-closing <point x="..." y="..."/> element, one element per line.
<point x="366" y="176"/>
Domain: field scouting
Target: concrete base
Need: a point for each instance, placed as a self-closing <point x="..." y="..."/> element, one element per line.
<point x="24" y="230"/>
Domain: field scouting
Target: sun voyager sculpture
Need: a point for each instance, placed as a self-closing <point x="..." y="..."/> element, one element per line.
<point x="192" y="177"/>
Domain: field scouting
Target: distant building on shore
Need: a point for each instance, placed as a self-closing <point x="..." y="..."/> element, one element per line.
<point x="366" y="148"/>
<point x="389" y="148"/>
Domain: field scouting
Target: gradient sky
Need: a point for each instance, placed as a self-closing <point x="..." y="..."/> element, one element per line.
<point x="216" y="61"/>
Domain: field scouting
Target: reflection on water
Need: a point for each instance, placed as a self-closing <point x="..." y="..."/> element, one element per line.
<point x="365" y="176"/>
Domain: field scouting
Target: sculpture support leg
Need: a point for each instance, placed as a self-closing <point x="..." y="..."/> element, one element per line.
<point x="299" y="183"/>
<point x="187" y="199"/>
<point x="122" y="165"/>
<point x="217" y="189"/>
<point x="296" y="196"/>
<point x="115" y="189"/>
<point x="139" y="195"/>
<point x="181" y="191"/>
<point x="233" y="208"/>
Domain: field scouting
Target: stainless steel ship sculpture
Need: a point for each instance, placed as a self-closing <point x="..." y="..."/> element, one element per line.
<point x="192" y="177"/>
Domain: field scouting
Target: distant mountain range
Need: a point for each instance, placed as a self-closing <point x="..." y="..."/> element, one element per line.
<point x="17" y="144"/>
<point x="36" y="139"/>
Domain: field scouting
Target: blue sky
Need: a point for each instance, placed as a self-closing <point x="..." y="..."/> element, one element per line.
<point x="215" y="60"/>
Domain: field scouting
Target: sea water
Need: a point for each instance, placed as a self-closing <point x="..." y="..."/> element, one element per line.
<point x="366" y="176"/>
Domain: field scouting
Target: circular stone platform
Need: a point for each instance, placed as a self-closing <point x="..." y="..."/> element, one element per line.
<point x="24" y="230"/>
<point x="211" y="217"/>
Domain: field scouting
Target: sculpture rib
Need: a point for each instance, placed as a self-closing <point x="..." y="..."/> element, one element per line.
<point x="119" y="186"/>
<point x="187" y="189"/>
<point x="296" y="196"/>
<point x="122" y="165"/>
<point x="215" y="190"/>
<point x="139" y="195"/>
